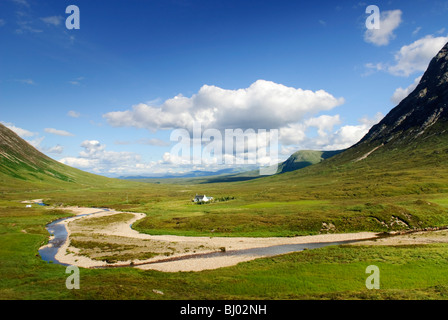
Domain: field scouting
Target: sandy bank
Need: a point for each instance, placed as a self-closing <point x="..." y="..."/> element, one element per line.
<point x="184" y="246"/>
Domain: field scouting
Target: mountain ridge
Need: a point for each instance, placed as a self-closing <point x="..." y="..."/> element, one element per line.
<point x="24" y="167"/>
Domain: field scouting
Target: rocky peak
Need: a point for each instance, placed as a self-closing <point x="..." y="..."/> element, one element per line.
<point x="420" y="110"/>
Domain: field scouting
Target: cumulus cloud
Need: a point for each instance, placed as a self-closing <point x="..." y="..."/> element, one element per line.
<point x="327" y="138"/>
<point x="295" y="134"/>
<point x="416" y="56"/>
<point x="389" y="21"/>
<point x="348" y="135"/>
<point x="95" y="158"/>
<point x="401" y="93"/>
<point x="263" y="105"/>
<point x="57" y="132"/>
<point x="411" y="58"/>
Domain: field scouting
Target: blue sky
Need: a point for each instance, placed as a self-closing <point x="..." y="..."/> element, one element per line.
<point x="101" y="98"/>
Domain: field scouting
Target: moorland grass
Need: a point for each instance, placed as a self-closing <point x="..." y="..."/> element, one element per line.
<point x="407" y="272"/>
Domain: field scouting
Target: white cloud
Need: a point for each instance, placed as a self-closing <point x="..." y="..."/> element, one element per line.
<point x="373" y="67"/>
<point x="58" y="149"/>
<point x="296" y="134"/>
<point x="389" y="21"/>
<point x="264" y="105"/>
<point x="53" y="20"/>
<point x="401" y="93"/>
<point x="416" y="56"/>
<point x="417" y="30"/>
<point x="73" y="114"/>
<point x="327" y="138"/>
<point x="2" y="22"/>
<point x="348" y="135"/>
<point x="80" y="163"/>
<point x="59" y="132"/>
<point x="292" y="134"/>
<point x="411" y="58"/>
<point x="95" y="158"/>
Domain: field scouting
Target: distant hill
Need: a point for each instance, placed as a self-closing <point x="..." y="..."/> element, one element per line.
<point x="298" y="160"/>
<point x="305" y="158"/>
<point x="24" y="167"/>
<point x="190" y="174"/>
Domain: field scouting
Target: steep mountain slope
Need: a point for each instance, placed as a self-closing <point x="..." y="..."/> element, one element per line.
<point x="24" y="167"/>
<point x="420" y="110"/>
<point x="411" y="135"/>
<point x="419" y="120"/>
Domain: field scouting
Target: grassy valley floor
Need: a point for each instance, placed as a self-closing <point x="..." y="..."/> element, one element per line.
<point x="408" y="271"/>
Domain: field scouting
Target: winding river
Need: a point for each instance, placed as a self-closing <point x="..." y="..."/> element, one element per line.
<point x="59" y="235"/>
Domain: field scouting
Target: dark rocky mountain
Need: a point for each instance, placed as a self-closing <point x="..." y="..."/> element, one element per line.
<point x="420" y="110"/>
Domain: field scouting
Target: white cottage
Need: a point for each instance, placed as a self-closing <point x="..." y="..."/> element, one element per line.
<point x="202" y="198"/>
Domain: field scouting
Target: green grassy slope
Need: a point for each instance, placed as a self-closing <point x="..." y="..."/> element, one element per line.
<point x="23" y="168"/>
<point x="305" y="158"/>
